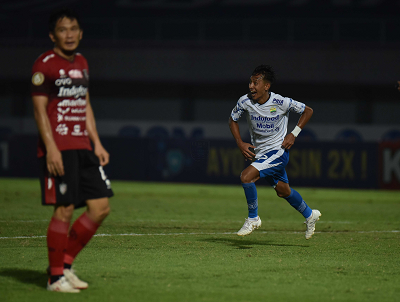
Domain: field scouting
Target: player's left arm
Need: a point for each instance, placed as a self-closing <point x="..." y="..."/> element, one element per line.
<point x="303" y="120"/>
<point x="99" y="150"/>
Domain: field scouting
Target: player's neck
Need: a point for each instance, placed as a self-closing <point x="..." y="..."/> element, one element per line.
<point x="264" y="99"/>
<point x="68" y="55"/>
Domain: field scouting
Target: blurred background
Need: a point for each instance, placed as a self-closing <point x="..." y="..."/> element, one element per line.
<point x="165" y="75"/>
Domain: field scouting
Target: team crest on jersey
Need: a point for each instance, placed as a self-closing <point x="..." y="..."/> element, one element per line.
<point x="37" y="78"/>
<point x="272" y="110"/>
<point x="63" y="188"/>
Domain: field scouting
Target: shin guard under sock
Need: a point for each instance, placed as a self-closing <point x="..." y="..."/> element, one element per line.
<point x="81" y="232"/>
<point x="297" y="202"/>
<point x="57" y="241"/>
<point x="251" y="196"/>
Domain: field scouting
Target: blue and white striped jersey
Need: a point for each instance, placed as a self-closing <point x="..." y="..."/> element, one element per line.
<point x="267" y="122"/>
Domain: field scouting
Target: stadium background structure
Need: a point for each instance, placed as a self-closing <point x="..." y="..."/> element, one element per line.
<point x="191" y="59"/>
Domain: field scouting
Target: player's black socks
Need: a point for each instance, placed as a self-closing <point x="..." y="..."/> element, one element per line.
<point x="55" y="278"/>
<point x="67" y="266"/>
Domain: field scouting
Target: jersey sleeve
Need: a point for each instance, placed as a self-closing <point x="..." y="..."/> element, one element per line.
<point x="238" y="110"/>
<point x="40" y="84"/>
<point x="294" y="106"/>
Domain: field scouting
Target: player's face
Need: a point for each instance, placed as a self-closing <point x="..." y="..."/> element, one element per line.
<point x="66" y="35"/>
<point x="258" y="87"/>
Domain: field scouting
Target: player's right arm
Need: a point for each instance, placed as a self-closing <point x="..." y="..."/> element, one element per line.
<point x="53" y="155"/>
<point x="243" y="147"/>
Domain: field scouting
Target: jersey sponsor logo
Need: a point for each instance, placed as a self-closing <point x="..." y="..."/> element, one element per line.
<point x="62" y="129"/>
<point x="48" y="57"/>
<point x="63" y="81"/>
<point x="265" y="126"/>
<point x="77" y="131"/>
<point x="73" y="91"/>
<point x="68" y="118"/>
<point x="266" y="130"/>
<point x="75" y="74"/>
<point x="277" y="101"/>
<point x="37" y="78"/>
<point x="72" y="103"/>
<point x="78" y="110"/>
<point x="264" y="118"/>
<point x="63" y="111"/>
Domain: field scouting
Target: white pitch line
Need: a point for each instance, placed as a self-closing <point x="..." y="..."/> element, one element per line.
<point x="42" y="220"/>
<point x="225" y="233"/>
<point x="172" y="220"/>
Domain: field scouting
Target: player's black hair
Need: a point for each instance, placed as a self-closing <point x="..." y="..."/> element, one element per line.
<point x="266" y="71"/>
<point x="62" y="13"/>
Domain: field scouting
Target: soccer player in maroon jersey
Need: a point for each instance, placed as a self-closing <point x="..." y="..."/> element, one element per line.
<point x="72" y="174"/>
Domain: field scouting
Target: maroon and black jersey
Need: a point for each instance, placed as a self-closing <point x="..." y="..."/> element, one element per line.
<point x="65" y="84"/>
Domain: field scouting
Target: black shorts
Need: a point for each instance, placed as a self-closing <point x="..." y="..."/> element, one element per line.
<point x="84" y="179"/>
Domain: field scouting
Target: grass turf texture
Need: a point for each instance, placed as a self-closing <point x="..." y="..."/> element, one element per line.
<point x="185" y="248"/>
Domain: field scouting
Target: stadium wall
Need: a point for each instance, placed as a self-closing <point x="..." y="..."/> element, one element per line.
<point x="366" y="65"/>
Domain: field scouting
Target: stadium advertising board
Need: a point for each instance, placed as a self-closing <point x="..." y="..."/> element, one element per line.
<point x="312" y="164"/>
<point x="389" y="155"/>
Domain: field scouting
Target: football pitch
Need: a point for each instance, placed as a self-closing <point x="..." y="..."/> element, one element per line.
<point x="177" y="242"/>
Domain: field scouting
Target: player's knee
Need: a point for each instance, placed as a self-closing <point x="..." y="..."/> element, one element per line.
<point x="106" y="212"/>
<point x="244" y="178"/>
<point x="281" y="194"/>
<point x="102" y="213"/>
<point x="282" y="191"/>
<point x="98" y="214"/>
<point x="64" y="213"/>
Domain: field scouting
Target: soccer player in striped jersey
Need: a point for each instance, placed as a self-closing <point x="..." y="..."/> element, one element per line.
<point x="267" y="115"/>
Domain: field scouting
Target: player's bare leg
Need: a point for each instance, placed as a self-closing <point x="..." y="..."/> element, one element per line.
<point x="98" y="209"/>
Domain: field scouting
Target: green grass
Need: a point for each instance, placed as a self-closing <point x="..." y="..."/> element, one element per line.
<point x="179" y="245"/>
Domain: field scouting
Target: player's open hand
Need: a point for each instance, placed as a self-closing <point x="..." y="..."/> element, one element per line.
<point x="288" y="142"/>
<point x="54" y="162"/>
<point x="102" y="154"/>
<point x="247" y="153"/>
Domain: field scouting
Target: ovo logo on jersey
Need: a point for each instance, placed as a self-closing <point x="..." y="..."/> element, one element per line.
<point x="37" y="78"/>
<point x="63" y="81"/>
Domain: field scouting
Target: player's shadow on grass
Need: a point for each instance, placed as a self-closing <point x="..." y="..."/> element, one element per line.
<point x="26" y="276"/>
<point x="247" y="244"/>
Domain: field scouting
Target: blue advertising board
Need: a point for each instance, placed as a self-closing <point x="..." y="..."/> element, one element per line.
<point x="311" y="164"/>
